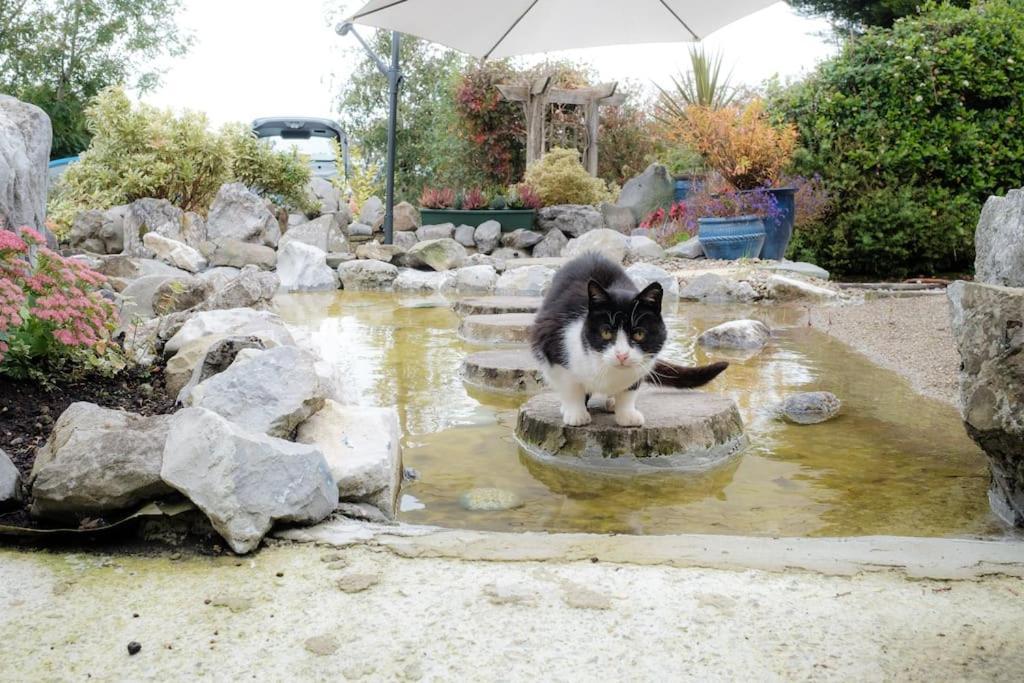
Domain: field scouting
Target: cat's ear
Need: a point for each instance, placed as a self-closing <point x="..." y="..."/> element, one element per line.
<point x="596" y="295"/>
<point x="651" y="296"/>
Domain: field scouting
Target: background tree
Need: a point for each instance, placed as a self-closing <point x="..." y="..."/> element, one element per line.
<point x="855" y="15"/>
<point x="57" y="54"/>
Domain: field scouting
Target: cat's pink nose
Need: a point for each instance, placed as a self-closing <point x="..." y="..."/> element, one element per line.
<point x="622" y="357"/>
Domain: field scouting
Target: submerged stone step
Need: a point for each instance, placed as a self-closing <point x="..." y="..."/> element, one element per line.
<point x="505" y="328"/>
<point x="684" y="431"/>
<point x="509" y="372"/>
<point x="493" y="305"/>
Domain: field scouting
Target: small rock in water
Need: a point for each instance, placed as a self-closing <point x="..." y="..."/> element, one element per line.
<point x="736" y="334"/>
<point x="810" y="408"/>
<point x="489" y="500"/>
<point x="134" y="648"/>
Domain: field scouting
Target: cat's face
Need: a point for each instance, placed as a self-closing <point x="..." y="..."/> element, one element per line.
<point x="626" y="331"/>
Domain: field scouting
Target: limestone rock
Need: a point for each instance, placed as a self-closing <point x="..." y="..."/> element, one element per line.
<point x="571" y="219"/>
<point x="503" y="328"/>
<point x="172" y="252"/>
<point x="202" y="359"/>
<point x="98" y="460"/>
<point x="140" y="295"/>
<point x="490" y="500"/>
<point x="810" y="407"/>
<point x="335" y="259"/>
<point x="476" y="279"/>
<point x="641" y="247"/>
<point x="798" y="268"/>
<point x="526" y="281"/>
<point x="193" y="229"/>
<point x="239" y="214"/>
<point x="362" y="447"/>
<point x="270" y="392"/>
<point x="784" y="288"/>
<point x="552" y="245"/>
<point x="150" y="215"/>
<point x="407" y="217"/>
<point x="378" y="251"/>
<point x="648" y="191"/>
<point x="603" y="241"/>
<point x="712" y="288"/>
<point x="487" y="236"/>
<point x="988" y="326"/>
<point x="357" y="231"/>
<point x="999" y="241"/>
<point x="435" y="232"/>
<point x="465" y="235"/>
<point x="404" y="240"/>
<point x="245" y="482"/>
<point x="691" y="248"/>
<point x="10" y="483"/>
<point x="438" y="254"/>
<point x="124" y="266"/>
<point x="321" y="233"/>
<point x="736" y="334"/>
<point x="179" y="295"/>
<point x="99" y="232"/>
<point x="618" y="218"/>
<point x="303" y="268"/>
<point x="237" y="254"/>
<point x="231" y="322"/>
<point x="503" y="371"/>
<point x="367" y="275"/>
<point x="372" y="213"/>
<point x="485" y="260"/>
<point x="249" y="287"/>
<point x="410" y="280"/>
<point x="325" y="193"/>
<point x="25" y="138"/>
<point x="521" y="239"/>
<point x="488" y="305"/>
<point x="644" y="274"/>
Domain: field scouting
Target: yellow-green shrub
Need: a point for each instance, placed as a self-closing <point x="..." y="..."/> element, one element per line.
<point x="559" y="178"/>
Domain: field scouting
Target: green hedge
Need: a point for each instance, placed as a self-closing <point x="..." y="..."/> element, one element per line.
<point x="912" y="128"/>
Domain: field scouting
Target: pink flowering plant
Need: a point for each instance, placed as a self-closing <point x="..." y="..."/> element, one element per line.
<point x="51" y="311"/>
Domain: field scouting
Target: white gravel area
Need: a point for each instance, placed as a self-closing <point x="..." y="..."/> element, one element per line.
<point x="910" y="336"/>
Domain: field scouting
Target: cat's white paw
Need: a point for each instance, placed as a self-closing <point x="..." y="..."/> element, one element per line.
<point x="575" y="417"/>
<point x="629" y="418"/>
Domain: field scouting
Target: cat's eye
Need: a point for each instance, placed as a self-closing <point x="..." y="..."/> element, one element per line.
<point x="606" y="333"/>
<point x="638" y="335"/>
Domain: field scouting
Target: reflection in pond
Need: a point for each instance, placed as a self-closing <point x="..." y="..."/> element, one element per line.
<point x="892" y="463"/>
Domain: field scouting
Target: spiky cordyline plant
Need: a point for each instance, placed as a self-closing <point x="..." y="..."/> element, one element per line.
<point x="702" y="86"/>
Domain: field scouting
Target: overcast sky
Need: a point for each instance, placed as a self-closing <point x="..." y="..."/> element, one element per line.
<point x="261" y="57"/>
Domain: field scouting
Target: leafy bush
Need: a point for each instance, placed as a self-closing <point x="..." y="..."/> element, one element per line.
<point x="142" y="151"/>
<point x="51" y="310"/>
<point x="560" y="178"/>
<point x="741" y="143"/>
<point x="911" y="130"/>
<point x="626" y="142"/>
<point x="493" y="125"/>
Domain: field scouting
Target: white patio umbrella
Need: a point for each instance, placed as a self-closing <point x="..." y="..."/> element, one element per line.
<point x="492" y="29"/>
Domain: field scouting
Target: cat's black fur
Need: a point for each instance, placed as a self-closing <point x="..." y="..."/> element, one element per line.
<point x="594" y="287"/>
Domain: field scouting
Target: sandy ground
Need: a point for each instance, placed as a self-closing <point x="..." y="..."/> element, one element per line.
<point x="910" y="336"/>
<point x="289" y="613"/>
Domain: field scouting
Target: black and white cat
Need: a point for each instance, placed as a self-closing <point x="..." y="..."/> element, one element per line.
<point x="597" y="335"/>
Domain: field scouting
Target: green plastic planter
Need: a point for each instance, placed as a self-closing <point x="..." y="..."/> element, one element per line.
<point x="510" y="219"/>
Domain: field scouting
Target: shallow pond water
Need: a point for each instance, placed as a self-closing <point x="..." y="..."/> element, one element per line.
<point x="894" y="462"/>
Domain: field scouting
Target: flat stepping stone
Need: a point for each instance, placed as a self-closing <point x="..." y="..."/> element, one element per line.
<point x="684" y="431"/>
<point x="507" y="372"/>
<point x="505" y="328"/>
<point x="493" y="305"/>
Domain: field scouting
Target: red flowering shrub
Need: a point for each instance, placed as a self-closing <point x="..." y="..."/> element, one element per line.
<point x="523" y="196"/>
<point x="51" y="310"/>
<point x="432" y="198"/>
<point x="474" y="200"/>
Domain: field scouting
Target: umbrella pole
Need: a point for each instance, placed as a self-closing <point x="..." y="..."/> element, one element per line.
<point x="394" y="78"/>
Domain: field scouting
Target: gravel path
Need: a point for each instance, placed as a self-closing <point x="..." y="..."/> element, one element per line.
<point x="910" y="336"/>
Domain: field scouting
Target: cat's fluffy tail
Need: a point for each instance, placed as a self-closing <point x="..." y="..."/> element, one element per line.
<point x="680" y="377"/>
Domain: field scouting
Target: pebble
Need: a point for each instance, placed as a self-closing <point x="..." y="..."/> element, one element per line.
<point x="489" y="500"/>
<point x="810" y="407"/>
<point x="134" y="648"/>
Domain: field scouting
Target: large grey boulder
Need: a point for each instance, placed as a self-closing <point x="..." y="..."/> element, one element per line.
<point x="359" y="232"/>
<point x="379" y="252"/>
<point x="140" y="296"/>
<point x="689" y="249"/>
<point x="435" y="232"/>
<point x="25" y="138"/>
<point x="231" y="322"/>
<point x="372" y="213"/>
<point x="238" y="254"/>
<point x="193" y="229"/>
<point x="270" y="392"/>
<point x="303" y="268"/>
<point x="362" y="447"/>
<point x="98" y="460"/>
<point x="322" y="233"/>
<point x="487" y="236"/>
<point x="403" y="241"/>
<point x="245" y="482"/>
<point x="782" y="288"/>
<point x="367" y="275"/>
<point x="552" y="245"/>
<point x="642" y="247"/>
<point x="476" y="279"/>
<point x="175" y="253"/>
<point x="608" y="243"/>
<point x="407" y="217"/>
<point x="240" y="214"/>
<point x="618" y="218"/>
<point x="99" y="232"/>
<point x="999" y="241"/>
<point x="525" y="281"/>
<point x="202" y="359"/>
<point x="465" y="235"/>
<point x="572" y="219"/>
<point x="712" y="288"/>
<point x="179" y="295"/>
<point x="736" y="334"/>
<point x="521" y="239"/>
<point x="414" y="281"/>
<point x="249" y="287"/>
<point x="439" y="254"/>
<point x="10" y="483"/>
<point x="988" y="325"/>
<point x="150" y="215"/>
<point x="325" y="193"/>
<point x="643" y="274"/>
<point x="648" y="191"/>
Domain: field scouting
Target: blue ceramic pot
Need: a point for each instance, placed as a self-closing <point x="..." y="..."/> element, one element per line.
<point x="779" y="230"/>
<point x="731" y="238"/>
<point x="684" y="186"/>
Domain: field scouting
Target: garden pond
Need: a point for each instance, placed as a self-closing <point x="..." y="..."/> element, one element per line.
<point x="893" y="462"/>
